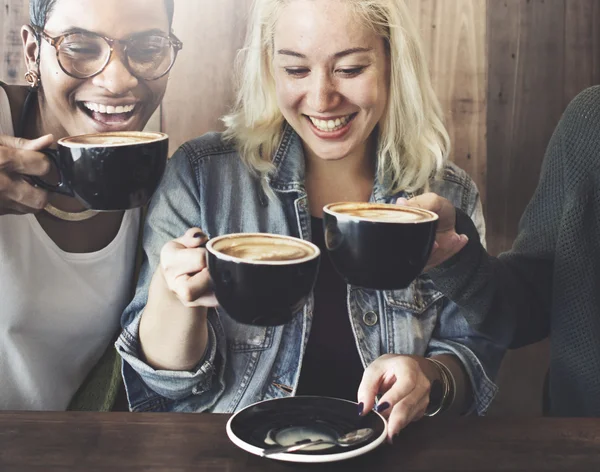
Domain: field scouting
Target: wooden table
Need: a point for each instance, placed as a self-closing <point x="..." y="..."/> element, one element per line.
<point x="33" y="441"/>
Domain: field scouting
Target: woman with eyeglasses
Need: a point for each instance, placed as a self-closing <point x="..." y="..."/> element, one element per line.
<point x="66" y="272"/>
<point x="335" y="104"/>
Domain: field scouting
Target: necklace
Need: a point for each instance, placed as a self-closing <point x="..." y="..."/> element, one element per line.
<point x="68" y="216"/>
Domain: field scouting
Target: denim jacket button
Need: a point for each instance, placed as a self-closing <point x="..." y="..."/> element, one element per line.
<point x="370" y="318"/>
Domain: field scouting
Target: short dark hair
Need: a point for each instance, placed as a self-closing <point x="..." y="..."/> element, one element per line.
<point x="40" y="10"/>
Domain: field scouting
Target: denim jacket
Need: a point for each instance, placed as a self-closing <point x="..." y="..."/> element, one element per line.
<point x="207" y="185"/>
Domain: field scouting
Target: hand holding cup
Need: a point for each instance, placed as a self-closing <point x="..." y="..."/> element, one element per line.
<point x="260" y="278"/>
<point x="19" y="158"/>
<point x="379" y="246"/>
<point x="447" y="241"/>
<point x="184" y="268"/>
<point x="111" y="171"/>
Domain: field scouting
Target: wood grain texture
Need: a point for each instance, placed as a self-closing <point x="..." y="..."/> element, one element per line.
<point x="582" y="46"/>
<point x="525" y="101"/>
<point x="160" y="442"/>
<point x="13" y="14"/>
<point x="201" y="85"/>
<point x="454" y="37"/>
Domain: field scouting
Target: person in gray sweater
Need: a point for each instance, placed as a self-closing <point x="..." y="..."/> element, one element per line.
<point x="548" y="284"/>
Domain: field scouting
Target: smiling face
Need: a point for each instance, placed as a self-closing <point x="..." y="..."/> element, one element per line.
<point x="331" y="76"/>
<point x="113" y="100"/>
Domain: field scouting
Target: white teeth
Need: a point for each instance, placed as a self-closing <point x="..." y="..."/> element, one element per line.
<point x="108" y="109"/>
<point x="330" y="125"/>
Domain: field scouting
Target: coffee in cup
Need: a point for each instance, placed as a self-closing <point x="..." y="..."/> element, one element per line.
<point x="264" y="248"/>
<point x="378" y="245"/>
<point x="109" y="171"/>
<point x="109" y="139"/>
<point x="260" y="278"/>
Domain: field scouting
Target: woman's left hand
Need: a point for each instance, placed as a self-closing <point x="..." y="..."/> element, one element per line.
<point x="403" y="386"/>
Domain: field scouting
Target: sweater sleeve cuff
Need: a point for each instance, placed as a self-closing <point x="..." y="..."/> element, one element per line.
<point x="464" y="260"/>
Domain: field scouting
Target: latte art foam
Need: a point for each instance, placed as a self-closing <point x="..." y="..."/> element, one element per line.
<point x="380" y="212"/>
<point x="115" y="138"/>
<point x="386" y="215"/>
<point x="101" y="140"/>
<point x="258" y="249"/>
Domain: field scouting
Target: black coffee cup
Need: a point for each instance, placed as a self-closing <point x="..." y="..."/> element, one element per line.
<point x="377" y="245"/>
<point x="108" y="171"/>
<point x="262" y="279"/>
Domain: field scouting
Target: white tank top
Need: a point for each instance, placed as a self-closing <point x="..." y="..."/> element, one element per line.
<point x="58" y="310"/>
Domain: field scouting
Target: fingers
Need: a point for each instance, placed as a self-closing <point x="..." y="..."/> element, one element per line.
<point x="427" y="201"/>
<point x="445" y="246"/>
<point x="183" y="262"/>
<point x="394" y="375"/>
<point x="404" y="390"/>
<point x="409" y="409"/>
<point x="439" y="205"/>
<point x="447" y="241"/>
<point x="369" y="387"/>
<point x="19" y="197"/>
<point x="20" y="156"/>
<point x="194" y="290"/>
<point x="193" y="237"/>
<point x="177" y="259"/>
<point x="31" y="144"/>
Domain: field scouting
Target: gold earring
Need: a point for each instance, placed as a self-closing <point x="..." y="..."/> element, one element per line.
<point x="32" y="78"/>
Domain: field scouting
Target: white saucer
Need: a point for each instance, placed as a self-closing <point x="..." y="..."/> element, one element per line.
<point x="285" y="421"/>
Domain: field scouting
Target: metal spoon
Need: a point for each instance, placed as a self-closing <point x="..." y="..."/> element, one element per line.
<point x="349" y="439"/>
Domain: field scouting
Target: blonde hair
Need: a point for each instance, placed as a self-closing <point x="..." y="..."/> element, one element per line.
<point x="412" y="142"/>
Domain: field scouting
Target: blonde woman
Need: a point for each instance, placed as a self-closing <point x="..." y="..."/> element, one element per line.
<point x="334" y="103"/>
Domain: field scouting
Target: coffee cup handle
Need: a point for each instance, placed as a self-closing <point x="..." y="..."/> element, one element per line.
<point x="61" y="187"/>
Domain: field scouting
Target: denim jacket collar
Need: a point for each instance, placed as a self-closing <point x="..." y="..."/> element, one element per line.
<point x="289" y="163"/>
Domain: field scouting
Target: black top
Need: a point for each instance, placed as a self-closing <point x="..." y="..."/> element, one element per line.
<point x="331" y="365"/>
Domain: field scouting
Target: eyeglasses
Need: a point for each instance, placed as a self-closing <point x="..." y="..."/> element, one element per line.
<point x="81" y="55"/>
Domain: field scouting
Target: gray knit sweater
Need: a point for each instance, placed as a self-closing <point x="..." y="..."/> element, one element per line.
<point x="549" y="283"/>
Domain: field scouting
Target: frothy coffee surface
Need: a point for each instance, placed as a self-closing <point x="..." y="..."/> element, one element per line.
<point x="111" y="139"/>
<point x="257" y="248"/>
<point x="382" y="212"/>
<point x="387" y="215"/>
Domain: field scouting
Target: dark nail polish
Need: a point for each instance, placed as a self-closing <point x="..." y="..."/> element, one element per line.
<point x="361" y="407"/>
<point x="382" y="407"/>
<point x="198" y="235"/>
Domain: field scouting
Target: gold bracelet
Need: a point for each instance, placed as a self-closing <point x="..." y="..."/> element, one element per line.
<point x="449" y="384"/>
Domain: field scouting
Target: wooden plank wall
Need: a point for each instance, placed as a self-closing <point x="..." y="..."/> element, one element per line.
<point x="201" y="85"/>
<point x="13" y="14"/>
<point x="454" y="37"/>
<point x="504" y="71"/>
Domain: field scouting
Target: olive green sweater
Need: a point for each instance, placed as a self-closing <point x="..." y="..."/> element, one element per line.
<point x="549" y="283"/>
